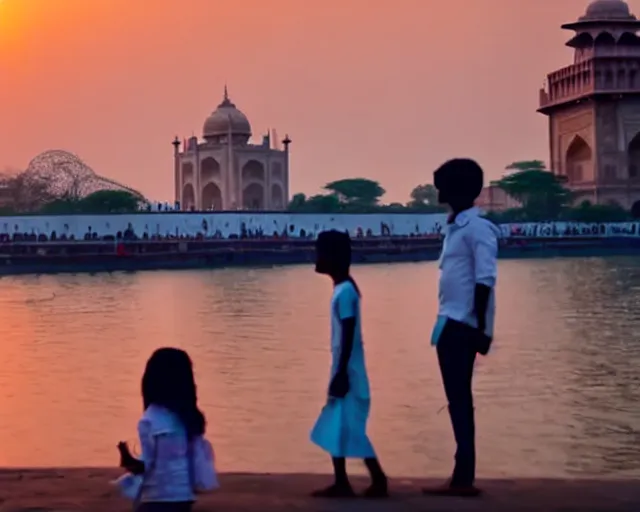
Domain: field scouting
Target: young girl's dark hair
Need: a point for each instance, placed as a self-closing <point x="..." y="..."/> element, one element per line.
<point x="168" y="382"/>
<point x="334" y="249"/>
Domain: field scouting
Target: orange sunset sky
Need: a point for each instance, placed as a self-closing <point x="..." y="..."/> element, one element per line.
<point x="384" y="89"/>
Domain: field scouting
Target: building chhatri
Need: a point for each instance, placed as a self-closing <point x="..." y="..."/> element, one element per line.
<point x="593" y="107"/>
<point x="225" y="171"/>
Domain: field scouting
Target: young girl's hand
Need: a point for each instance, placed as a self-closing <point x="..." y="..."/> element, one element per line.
<point x="339" y="385"/>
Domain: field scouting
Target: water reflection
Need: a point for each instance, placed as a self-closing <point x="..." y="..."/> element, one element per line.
<point x="557" y="397"/>
<point x="602" y="311"/>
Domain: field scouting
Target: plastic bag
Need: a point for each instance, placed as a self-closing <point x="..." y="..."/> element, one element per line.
<point x="129" y="486"/>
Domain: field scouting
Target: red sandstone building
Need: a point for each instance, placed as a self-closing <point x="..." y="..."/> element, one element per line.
<point x="593" y="107"/>
<point x="494" y="199"/>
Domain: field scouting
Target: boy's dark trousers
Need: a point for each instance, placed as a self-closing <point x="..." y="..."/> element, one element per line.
<point x="456" y="357"/>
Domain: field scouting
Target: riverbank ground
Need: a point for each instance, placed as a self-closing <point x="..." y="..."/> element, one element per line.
<point x="71" y="490"/>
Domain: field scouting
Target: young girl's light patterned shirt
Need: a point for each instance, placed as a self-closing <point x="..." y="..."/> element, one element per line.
<point x="165" y="454"/>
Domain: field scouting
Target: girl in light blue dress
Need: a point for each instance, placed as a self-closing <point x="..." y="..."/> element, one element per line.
<point x="341" y="427"/>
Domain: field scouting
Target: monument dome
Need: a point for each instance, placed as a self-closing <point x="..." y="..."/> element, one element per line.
<point x="606" y="10"/>
<point x="224" y="119"/>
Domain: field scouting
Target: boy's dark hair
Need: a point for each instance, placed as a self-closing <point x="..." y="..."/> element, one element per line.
<point x="168" y="382"/>
<point x="462" y="178"/>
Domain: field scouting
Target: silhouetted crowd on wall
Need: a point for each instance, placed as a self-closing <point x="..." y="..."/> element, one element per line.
<point x="570" y="229"/>
<point x="245" y="233"/>
<point x="291" y="231"/>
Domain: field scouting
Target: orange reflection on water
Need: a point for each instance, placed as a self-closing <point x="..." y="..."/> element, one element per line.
<point x="556" y="397"/>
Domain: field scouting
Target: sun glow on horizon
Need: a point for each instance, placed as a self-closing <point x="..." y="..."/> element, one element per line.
<point x="21" y="20"/>
<point x="8" y="19"/>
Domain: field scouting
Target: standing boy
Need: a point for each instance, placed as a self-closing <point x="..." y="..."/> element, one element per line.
<point x="464" y="328"/>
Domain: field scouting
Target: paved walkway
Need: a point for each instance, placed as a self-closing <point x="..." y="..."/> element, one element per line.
<point x="89" y="490"/>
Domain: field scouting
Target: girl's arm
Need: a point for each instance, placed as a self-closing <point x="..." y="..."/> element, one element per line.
<point x="129" y="462"/>
<point x="346" y="343"/>
<point x="347" y="305"/>
<point x="147" y="442"/>
<point x="339" y="386"/>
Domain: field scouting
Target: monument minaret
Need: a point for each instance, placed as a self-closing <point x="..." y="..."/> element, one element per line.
<point x="593" y="107"/>
<point x="176" y="170"/>
<point x="286" y="142"/>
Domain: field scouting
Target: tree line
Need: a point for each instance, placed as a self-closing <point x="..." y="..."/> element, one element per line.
<point x="25" y="194"/>
<point x="541" y="195"/>
<point x="544" y="196"/>
<point x="362" y="195"/>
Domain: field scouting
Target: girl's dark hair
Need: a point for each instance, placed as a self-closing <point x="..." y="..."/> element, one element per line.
<point x="335" y="248"/>
<point x="168" y="382"/>
<point x="355" y="285"/>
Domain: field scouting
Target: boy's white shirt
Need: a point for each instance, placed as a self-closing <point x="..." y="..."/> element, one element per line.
<point x="469" y="257"/>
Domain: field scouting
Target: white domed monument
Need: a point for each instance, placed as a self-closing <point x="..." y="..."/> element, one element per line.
<point x="225" y="171"/>
<point x="593" y="106"/>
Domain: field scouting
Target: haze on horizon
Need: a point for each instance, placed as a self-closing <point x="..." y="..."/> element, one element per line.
<point x="384" y="90"/>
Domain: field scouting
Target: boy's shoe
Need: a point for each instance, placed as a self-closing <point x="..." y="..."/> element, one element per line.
<point x="377" y="491"/>
<point x="451" y="489"/>
<point x="335" y="491"/>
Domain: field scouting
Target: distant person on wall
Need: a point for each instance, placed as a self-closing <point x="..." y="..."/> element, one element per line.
<point x="176" y="460"/>
<point x="120" y="249"/>
<point x="341" y="427"/>
<point x="464" y="327"/>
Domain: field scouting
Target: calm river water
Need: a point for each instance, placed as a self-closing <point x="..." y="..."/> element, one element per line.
<point x="558" y="396"/>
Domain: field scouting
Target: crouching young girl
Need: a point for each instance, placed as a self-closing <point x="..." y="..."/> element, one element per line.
<point x="341" y="427"/>
<point x="176" y="460"/>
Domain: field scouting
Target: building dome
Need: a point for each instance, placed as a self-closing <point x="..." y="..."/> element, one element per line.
<point x="608" y="10"/>
<point x="226" y="118"/>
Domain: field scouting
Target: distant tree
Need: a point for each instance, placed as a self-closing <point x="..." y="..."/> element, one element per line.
<point x="297" y="202"/>
<point x="73" y="192"/>
<point x="541" y="193"/>
<point x="509" y="215"/>
<point x="357" y="191"/>
<point x="392" y="208"/>
<point x="527" y="165"/>
<point x="322" y="203"/>
<point x="102" y="201"/>
<point x="24" y="194"/>
<point x="423" y="195"/>
<point x="60" y="207"/>
<point x="111" y="201"/>
<point x="588" y="212"/>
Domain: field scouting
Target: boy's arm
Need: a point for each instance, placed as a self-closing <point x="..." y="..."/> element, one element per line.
<point x="481" y="304"/>
<point x="485" y="254"/>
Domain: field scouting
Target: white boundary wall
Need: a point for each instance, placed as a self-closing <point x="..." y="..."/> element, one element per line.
<point x="190" y="224"/>
<point x="569" y="229"/>
<point x="177" y="224"/>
